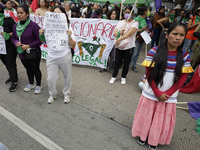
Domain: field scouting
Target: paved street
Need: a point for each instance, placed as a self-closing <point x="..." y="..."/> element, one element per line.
<point x="99" y="116"/>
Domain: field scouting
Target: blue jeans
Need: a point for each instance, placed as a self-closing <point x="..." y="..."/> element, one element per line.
<point x="136" y="53"/>
<point x="156" y="36"/>
<point x="188" y="43"/>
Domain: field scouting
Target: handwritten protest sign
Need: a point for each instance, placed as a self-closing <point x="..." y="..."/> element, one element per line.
<point x="94" y="39"/>
<point x="2" y="42"/>
<point x="55" y="27"/>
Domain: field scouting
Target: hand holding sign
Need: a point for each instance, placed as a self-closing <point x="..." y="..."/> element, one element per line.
<point x="55" y="27"/>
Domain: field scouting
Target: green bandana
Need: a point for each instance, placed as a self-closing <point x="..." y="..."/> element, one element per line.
<point x="19" y="50"/>
<point x="1" y="19"/>
<point x="197" y="19"/>
<point x="6" y="36"/>
<point x="185" y="19"/>
<point x="21" y="27"/>
<point x="8" y="9"/>
<point x="172" y="17"/>
<point x="42" y="38"/>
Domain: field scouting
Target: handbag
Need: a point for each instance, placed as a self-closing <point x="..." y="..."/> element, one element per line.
<point x="31" y="53"/>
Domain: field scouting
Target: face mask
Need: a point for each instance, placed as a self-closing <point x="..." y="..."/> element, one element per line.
<point x="126" y="16"/>
<point x="171" y="16"/>
<point x="148" y="13"/>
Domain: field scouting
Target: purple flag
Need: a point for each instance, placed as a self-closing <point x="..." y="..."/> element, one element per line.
<point x="158" y="4"/>
<point x="194" y="109"/>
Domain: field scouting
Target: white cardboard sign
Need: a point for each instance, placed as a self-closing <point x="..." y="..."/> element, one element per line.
<point x="146" y="37"/>
<point x="55" y="27"/>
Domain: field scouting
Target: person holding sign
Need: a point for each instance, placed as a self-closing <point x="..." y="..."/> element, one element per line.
<point x="59" y="55"/>
<point x="26" y="38"/>
<point x="124" y="44"/>
<point x="9" y="59"/>
<point x="139" y="43"/>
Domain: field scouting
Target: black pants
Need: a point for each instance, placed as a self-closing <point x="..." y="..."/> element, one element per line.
<point x="33" y="69"/>
<point x="119" y="56"/>
<point x="9" y="61"/>
<point x="112" y="59"/>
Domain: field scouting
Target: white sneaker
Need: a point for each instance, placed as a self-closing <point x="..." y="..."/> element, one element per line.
<point x="123" y="80"/>
<point x="66" y="99"/>
<point x="29" y="87"/>
<point x="112" y="80"/>
<point x="38" y="89"/>
<point x="51" y="99"/>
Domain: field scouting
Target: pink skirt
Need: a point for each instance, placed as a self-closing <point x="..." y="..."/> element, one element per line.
<point x="154" y="120"/>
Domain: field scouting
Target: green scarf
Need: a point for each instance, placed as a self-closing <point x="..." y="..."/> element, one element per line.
<point x="6" y="36"/>
<point x="1" y="19"/>
<point x="8" y="9"/>
<point x="21" y="27"/>
<point x="42" y="37"/>
<point x="197" y="19"/>
<point x="185" y="19"/>
<point x="172" y="17"/>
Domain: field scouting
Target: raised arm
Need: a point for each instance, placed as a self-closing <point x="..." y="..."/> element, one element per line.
<point x="161" y="21"/>
<point x="190" y="26"/>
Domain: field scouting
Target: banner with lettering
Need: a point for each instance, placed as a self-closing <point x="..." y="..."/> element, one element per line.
<point x="94" y="39"/>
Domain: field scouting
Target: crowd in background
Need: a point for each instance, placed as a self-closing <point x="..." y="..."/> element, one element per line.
<point x="167" y="65"/>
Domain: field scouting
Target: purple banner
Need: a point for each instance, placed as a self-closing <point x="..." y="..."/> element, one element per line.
<point x="158" y="4"/>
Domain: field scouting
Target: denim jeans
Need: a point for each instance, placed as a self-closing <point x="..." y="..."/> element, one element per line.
<point x="156" y="36"/>
<point x="136" y="53"/>
<point x="188" y="43"/>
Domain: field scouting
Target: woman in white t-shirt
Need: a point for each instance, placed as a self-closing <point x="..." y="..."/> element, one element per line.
<point x="59" y="60"/>
<point x="124" y="44"/>
<point x="67" y="9"/>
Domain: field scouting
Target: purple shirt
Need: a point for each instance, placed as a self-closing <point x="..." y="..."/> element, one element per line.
<point x="30" y="36"/>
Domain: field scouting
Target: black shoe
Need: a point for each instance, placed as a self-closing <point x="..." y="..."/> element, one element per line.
<point x="134" y="69"/>
<point x="8" y="81"/>
<point x="13" y="87"/>
<point x="152" y="147"/>
<point x="140" y="141"/>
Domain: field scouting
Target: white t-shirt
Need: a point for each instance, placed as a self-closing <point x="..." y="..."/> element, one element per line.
<point x="84" y="10"/>
<point x="57" y="54"/>
<point x="131" y="42"/>
<point x="69" y="13"/>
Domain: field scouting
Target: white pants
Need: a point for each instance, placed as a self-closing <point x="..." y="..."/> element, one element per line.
<point x="53" y="67"/>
